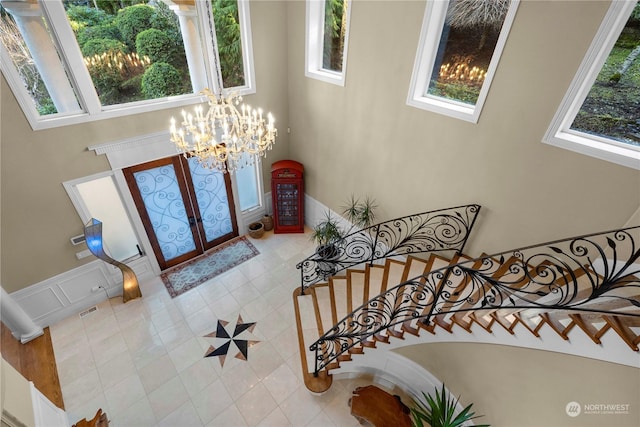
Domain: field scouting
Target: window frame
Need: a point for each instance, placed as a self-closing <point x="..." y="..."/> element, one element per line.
<point x="430" y="35"/>
<point x="559" y="133"/>
<point x="314" y="44"/>
<point x="79" y="203"/>
<point x="91" y="108"/>
<point x="244" y="16"/>
<point x="259" y="188"/>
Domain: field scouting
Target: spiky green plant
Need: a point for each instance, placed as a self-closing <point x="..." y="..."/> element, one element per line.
<point x="327" y="231"/>
<point x="360" y="213"/>
<point x="440" y="411"/>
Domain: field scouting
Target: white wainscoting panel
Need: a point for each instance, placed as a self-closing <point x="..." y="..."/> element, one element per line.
<point x="73" y="291"/>
<point x="42" y="302"/>
<point x="74" y="288"/>
<point x="314" y="212"/>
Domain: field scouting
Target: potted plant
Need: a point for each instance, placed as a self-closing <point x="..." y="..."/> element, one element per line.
<point x="440" y="411"/>
<point x="327" y="232"/>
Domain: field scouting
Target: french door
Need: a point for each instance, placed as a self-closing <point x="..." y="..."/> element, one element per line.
<point x="186" y="209"/>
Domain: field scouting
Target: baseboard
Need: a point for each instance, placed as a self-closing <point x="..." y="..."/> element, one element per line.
<point x="66" y="294"/>
<point x="26" y="338"/>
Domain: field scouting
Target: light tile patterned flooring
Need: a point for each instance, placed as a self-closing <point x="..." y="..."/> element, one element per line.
<point x="143" y="362"/>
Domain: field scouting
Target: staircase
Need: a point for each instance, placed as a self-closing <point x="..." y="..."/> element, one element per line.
<point x="587" y="285"/>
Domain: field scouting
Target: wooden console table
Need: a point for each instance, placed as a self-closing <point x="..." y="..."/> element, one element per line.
<point x="379" y="408"/>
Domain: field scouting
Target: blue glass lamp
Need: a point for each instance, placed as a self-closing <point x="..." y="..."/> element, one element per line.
<point x="93" y="237"/>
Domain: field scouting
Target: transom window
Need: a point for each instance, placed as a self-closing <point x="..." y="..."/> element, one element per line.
<point x="600" y="113"/>
<point x="69" y="61"/>
<point x="459" y="50"/>
<point x="327" y="39"/>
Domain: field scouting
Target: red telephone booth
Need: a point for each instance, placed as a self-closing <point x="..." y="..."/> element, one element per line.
<point x="287" y="193"/>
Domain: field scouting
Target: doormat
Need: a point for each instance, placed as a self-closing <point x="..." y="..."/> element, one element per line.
<point x="188" y="275"/>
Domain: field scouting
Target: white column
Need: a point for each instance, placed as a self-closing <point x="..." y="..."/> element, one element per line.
<point x="16" y="319"/>
<point x="188" y="18"/>
<point x="29" y="19"/>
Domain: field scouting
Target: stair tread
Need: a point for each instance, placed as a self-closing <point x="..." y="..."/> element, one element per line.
<point x="415" y="267"/>
<point x="324" y="308"/>
<point x="356" y="279"/>
<point x="341" y="295"/>
<point x="375" y="274"/>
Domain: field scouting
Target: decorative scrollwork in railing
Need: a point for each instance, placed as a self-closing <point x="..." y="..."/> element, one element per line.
<point x="597" y="273"/>
<point x="434" y="231"/>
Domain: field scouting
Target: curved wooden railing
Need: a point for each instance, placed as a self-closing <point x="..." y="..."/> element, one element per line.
<point x="432" y="231"/>
<point x="596" y="273"/>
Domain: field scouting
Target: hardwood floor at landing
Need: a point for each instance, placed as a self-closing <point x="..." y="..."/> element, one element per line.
<point x="35" y="361"/>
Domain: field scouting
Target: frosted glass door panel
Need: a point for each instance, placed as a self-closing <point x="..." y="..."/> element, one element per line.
<point x="213" y="203"/>
<point x="185" y="209"/>
<point x="164" y="204"/>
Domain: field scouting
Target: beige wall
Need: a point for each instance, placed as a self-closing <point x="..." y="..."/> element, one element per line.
<point x="514" y="386"/>
<point x="37" y="216"/>
<point x="364" y="139"/>
<point x="361" y="138"/>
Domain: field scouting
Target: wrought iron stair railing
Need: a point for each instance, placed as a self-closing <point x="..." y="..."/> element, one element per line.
<point x="596" y="273"/>
<point x="432" y="231"/>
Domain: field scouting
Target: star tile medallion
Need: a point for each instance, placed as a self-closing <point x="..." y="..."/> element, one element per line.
<point x="240" y="340"/>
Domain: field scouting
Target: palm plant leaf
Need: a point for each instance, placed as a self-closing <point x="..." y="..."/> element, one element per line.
<point x="440" y="411"/>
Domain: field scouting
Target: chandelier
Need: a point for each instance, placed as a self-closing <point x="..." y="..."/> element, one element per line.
<point x="224" y="138"/>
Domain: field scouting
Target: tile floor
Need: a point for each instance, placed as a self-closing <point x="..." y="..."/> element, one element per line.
<point x="143" y="362"/>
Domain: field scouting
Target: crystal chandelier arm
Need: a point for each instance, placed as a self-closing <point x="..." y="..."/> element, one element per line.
<point x="220" y="137"/>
